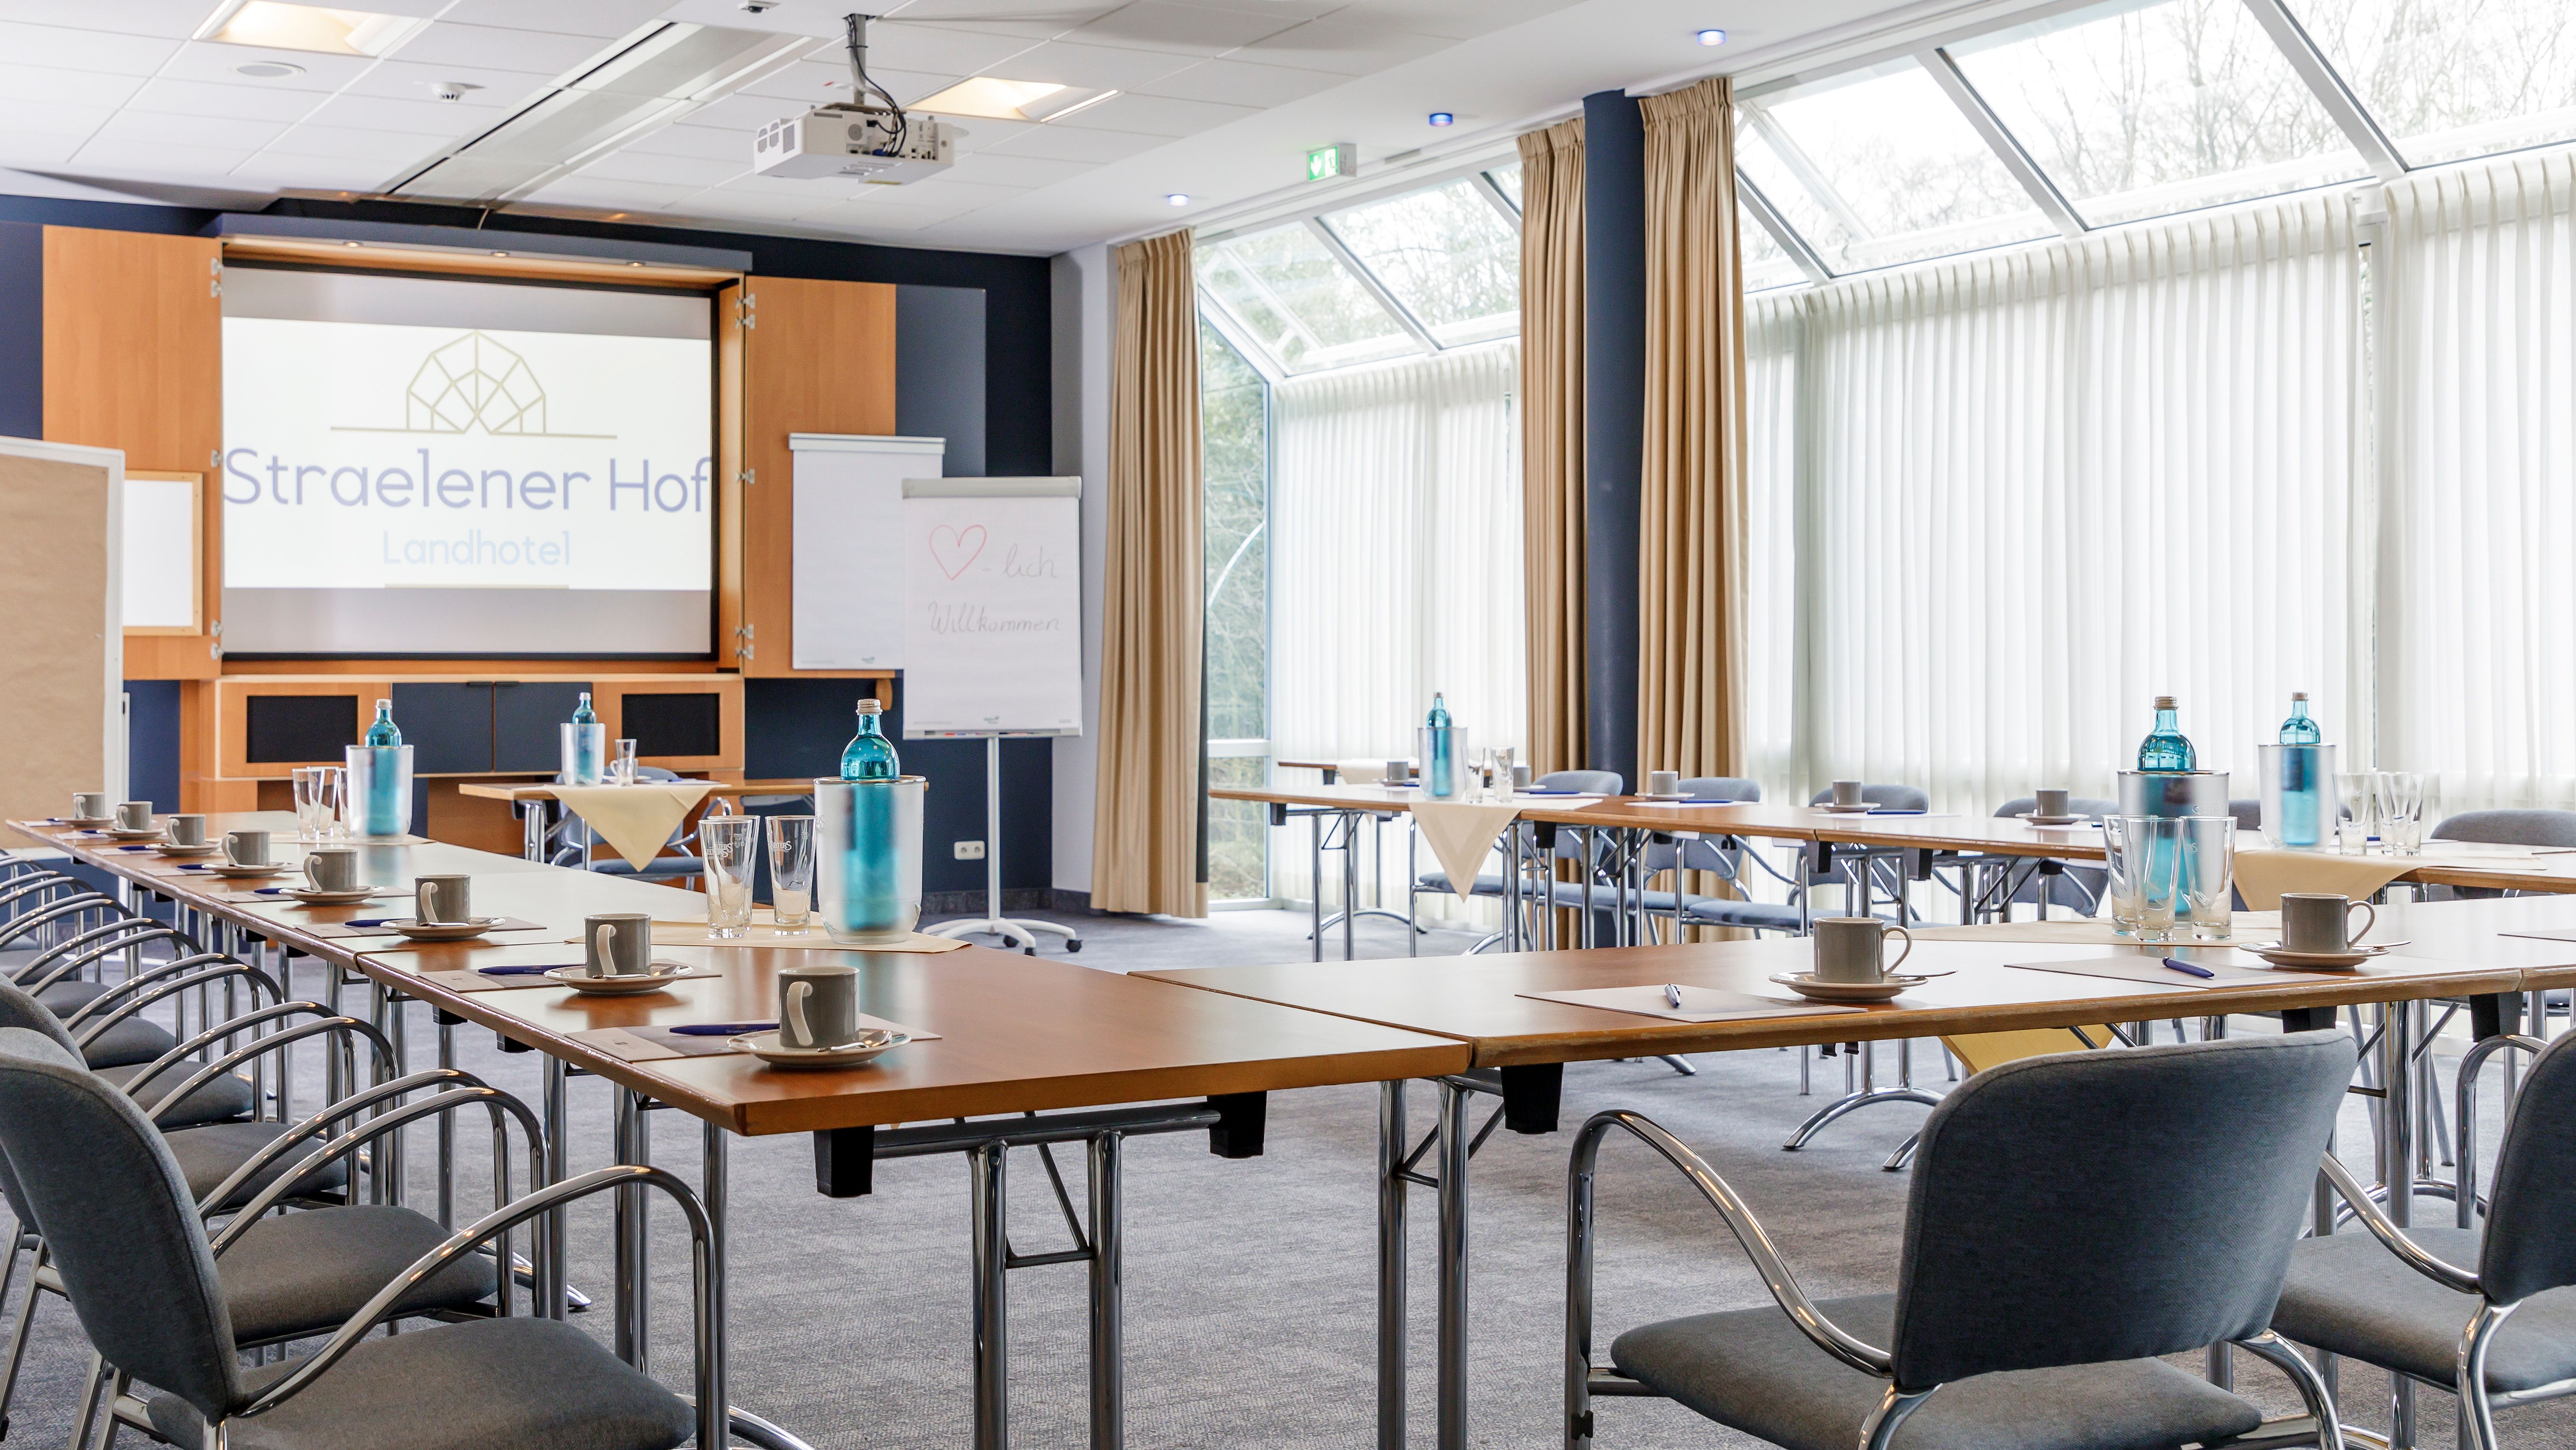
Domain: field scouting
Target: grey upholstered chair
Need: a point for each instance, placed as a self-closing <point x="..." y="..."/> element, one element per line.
<point x="1885" y="869"/>
<point x="2078" y="888"/>
<point x="2070" y="1219"/>
<point x="1725" y="858"/>
<point x="135" y="1261"/>
<point x="2502" y="1332"/>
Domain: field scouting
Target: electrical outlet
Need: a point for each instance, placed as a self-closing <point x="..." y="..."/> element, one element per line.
<point x="970" y="850"/>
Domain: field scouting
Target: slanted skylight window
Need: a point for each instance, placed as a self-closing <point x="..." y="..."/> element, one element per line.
<point x="1298" y="302"/>
<point x="1448" y="254"/>
<point x="2447" y="79"/>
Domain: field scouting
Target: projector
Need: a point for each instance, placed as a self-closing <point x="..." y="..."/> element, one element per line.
<point x="877" y="146"/>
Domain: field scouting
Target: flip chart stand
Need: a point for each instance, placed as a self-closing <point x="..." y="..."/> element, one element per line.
<point x="1015" y="931"/>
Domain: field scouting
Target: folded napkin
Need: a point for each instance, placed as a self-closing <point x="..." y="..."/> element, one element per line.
<point x="635" y="820"/>
<point x="1360" y="772"/>
<point x="1460" y="833"/>
<point x="2263" y="873"/>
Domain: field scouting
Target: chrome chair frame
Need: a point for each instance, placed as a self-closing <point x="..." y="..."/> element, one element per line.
<point x="1583" y="1381"/>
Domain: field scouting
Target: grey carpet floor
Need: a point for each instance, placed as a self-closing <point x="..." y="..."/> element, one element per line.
<point x="1251" y="1286"/>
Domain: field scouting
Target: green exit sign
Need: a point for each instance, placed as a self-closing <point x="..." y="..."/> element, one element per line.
<point x="1342" y="158"/>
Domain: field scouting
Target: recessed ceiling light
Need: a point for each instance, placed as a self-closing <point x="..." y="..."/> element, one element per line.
<point x="1443" y="118"/>
<point x="269" y="70"/>
<point x="994" y="98"/>
<point x="1178" y="198"/>
<point x="324" y="30"/>
<point x="1712" y="37"/>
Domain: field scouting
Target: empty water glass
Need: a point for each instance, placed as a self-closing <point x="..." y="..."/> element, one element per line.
<point x="312" y="810"/>
<point x="791" y="870"/>
<point x="729" y="846"/>
<point x="2208" y="872"/>
<point x="2145" y="858"/>
<point x="621" y="767"/>
<point x="2359" y="824"/>
<point x="2400" y="800"/>
<point x="332" y="814"/>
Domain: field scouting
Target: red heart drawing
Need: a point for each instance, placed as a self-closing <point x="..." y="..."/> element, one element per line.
<point x="962" y="545"/>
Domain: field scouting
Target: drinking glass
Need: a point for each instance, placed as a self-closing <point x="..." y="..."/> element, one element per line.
<point x="1499" y="764"/>
<point x="727" y="844"/>
<point x="2149" y="872"/>
<point x="622" y="767"/>
<point x="2209" y="874"/>
<point x="310" y="806"/>
<point x="335" y="811"/>
<point x="2121" y="890"/>
<point x="2401" y="812"/>
<point x="2359" y="793"/>
<point x="791" y="870"/>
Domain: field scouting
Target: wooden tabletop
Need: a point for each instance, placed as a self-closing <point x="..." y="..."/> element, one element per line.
<point x="1476" y="999"/>
<point x="545" y="791"/>
<point x="1018" y="1033"/>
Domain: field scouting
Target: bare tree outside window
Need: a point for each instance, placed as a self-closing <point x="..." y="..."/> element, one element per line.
<point x="2447" y="79"/>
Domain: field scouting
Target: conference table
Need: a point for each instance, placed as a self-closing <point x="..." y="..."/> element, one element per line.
<point x="1081" y="1048"/>
<point x="1095" y="1056"/>
<point x="1519" y="1044"/>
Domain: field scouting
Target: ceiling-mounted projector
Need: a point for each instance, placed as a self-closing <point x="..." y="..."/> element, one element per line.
<point x="879" y="144"/>
<point x="885" y="147"/>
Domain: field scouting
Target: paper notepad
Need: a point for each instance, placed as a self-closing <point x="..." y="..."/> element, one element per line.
<point x="1699" y="1004"/>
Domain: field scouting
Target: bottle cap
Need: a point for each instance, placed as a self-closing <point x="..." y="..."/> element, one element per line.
<point x="2164" y="702"/>
<point x="384" y="704"/>
<point x="2298" y="694"/>
<point x="870" y="707"/>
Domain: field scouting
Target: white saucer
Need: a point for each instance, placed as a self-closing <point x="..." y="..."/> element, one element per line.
<point x="1864" y="808"/>
<point x="1806" y="985"/>
<point x="872" y="1043"/>
<point x="2036" y="819"/>
<point x="1658" y="795"/>
<point x="2281" y="956"/>
<point x="121" y="833"/>
<point x="243" y="873"/>
<point x="205" y="848"/>
<point x="87" y="823"/>
<point x="443" y="930"/>
<point x="580" y="979"/>
<point x="311" y="897"/>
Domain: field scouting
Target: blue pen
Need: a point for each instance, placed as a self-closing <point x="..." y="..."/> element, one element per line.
<point x="1900" y="813"/>
<point x="2182" y="966"/>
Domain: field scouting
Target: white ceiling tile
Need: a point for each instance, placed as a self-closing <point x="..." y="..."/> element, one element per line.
<point x="146" y="129"/>
<point x="249" y="101"/>
<point x="742" y="115"/>
<point x="711" y="143"/>
<point x="92" y="50"/>
<point x="602" y="18"/>
<point x="814" y="82"/>
<point x="1189" y="29"/>
<point x="1455" y="19"/>
<point x="407" y="81"/>
<point x="736" y="206"/>
<point x="615" y="195"/>
<point x="310" y="173"/>
<point x="489" y="48"/>
<point x="47" y="118"/>
<point x="943" y="191"/>
<point x="1005" y="169"/>
<point x="899" y="44"/>
<point x="1342" y="46"/>
<point x="683" y="170"/>
<point x="1063" y="143"/>
<point x="205" y="60"/>
<point x="26" y="148"/>
<point x="417" y="118"/>
<point x="158" y="159"/>
<point x="1153" y="116"/>
<point x="392" y="150"/>
<point x="1242" y="83"/>
<point x="45" y="85"/>
<point x="170" y="18"/>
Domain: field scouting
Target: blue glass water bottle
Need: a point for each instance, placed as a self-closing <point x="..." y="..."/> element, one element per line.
<point x="2165" y="747"/>
<point x="874" y="885"/>
<point x="1440" y="770"/>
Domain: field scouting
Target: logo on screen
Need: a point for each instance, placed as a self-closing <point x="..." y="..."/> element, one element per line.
<point x="474" y="381"/>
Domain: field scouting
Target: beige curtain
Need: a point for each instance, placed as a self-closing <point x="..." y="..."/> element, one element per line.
<point x="1690" y="685"/>
<point x="1552" y="439"/>
<point x="1149" y="817"/>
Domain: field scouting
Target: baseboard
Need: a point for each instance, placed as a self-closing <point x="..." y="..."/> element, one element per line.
<point x="1077" y="903"/>
<point x="971" y="903"/>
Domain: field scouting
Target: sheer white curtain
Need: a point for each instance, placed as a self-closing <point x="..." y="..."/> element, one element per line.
<point x="1396" y="550"/>
<point x="2479" y="477"/>
<point x="2029" y="492"/>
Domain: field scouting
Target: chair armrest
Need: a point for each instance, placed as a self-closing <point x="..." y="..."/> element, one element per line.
<point x="1828" y="1336"/>
<point x="128" y="997"/>
<point x="499" y="1103"/>
<point x="710" y="1391"/>
<point x="80" y="904"/>
<point x="325" y="1025"/>
<point x="319" y="1124"/>
<point x="2408" y="1252"/>
<point x="56" y="962"/>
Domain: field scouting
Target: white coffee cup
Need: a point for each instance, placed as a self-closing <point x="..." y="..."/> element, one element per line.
<point x="134" y="815"/>
<point x="2320" y="921"/>
<point x="1854" y="948"/>
<point x="246" y="847"/>
<point x="187" y="830"/>
<point x="1848" y="793"/>
<point x="89" y="805"/>
<point x="2048" y="802"/>
<point x="1663" y="782"/>
<point x="331" y="868"/>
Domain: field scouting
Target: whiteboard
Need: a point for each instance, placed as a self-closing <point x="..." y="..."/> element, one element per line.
<point x="164" y="545"/>
<point x="993" y="606"/>
<point x="846" y="598"/>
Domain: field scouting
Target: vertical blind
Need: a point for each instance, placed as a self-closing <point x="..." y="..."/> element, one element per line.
<point x="2007" y="500"/>
<point x="1396" y="547"/>
<point x="2478" y="507"/>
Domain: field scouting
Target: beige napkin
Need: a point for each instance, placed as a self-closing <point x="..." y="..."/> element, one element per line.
<point x="1460" y="833"/>
<point x="1360" y="772"/>
<point x="2263" y="873"/>
<point x="634" y="820"/>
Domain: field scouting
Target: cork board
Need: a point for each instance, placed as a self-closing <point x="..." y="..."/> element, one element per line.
<point x="61" y="687"/>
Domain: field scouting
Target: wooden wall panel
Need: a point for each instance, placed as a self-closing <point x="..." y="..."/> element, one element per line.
<point x="819" y="357"/>
<point x="729" y="466"/>
<point x="134" y="361"/>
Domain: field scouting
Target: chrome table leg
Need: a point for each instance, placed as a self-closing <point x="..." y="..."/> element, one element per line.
<point x="1391" y="1144"/>
<point x="1454" y="1144"/>
<point x="634" y="1144"/>
<point x="1108" y="1286"/>
<point x="987" y="1166"/>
